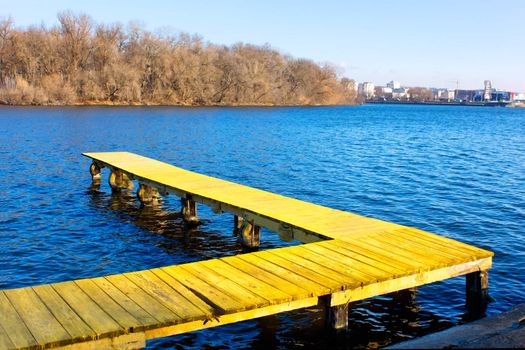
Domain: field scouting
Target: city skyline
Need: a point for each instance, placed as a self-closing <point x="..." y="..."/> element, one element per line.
<point x="417" y="43"/>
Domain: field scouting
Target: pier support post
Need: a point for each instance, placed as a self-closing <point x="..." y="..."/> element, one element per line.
<point x="148" y="196"/>
<point x="189" y="211"/>
<point x="336" y="317"/>
<point x="477" y="291"/>
<point x="94" y="170"/>
<point x="237" y="224"/>
<point x="119" y="181"/>
<point x="249" y="235"/>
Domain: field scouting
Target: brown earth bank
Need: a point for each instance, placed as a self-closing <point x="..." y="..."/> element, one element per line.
<point x="81" y="62"/>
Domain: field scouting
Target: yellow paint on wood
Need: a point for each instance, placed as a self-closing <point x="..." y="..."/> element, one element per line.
<point x="13" y="325"/>
<point x="40" y="322"/>
<point x="67" y="317"/>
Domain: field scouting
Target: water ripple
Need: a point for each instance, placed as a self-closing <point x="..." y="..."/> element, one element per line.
<point x="459" y="172"/>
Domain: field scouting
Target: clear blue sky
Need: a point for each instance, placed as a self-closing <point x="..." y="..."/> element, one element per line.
<point x="417" y="42"/>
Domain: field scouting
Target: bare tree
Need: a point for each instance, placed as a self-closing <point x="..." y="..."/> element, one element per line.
<point x="80" y="61"/>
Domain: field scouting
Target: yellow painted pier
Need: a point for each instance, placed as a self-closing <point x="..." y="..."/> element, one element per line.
<point x="345" y="257"/>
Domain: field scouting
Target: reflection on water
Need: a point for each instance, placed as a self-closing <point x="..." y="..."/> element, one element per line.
<point x="455" y="171"/>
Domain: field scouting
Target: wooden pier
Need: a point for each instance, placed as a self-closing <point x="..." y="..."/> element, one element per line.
<point x="346" y="257"/>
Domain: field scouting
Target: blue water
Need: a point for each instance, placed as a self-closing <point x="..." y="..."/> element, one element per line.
<point x="456" y="171"/>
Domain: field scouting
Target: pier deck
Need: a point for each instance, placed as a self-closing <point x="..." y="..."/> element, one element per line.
<point x="347" y="258"/>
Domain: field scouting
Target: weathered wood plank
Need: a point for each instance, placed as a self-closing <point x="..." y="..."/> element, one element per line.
<point x="183" y="291"/>
<point x="299" y="269"/>
<point x="14" y="326"/>
<point x="126" y="303"/>
<point x="332" y="264"/>
<point x="409" y="281"/>
<point x="166" y="295"/>
<point x="5" y="342"/>
<point x="232" y="318"/>
<point x="372" y="270"/>
<point x="110" y="307"/>
<point x="263" y="290"/>
<point x="67" y="317"/>
<point x="394" y="268"/>
<point x="143" y="299"/>
<point x="292" y="277"/>
<point x="237" y="292"/>
<point x="41" y="323"/>
<point x="272" y="279"/>
<point x="216" y="298"/>
<point x="317" y="269"/>
<point x="98" y="320"/>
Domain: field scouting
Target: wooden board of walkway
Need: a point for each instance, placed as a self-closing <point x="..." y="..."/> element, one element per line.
<point x="369" y="258"/>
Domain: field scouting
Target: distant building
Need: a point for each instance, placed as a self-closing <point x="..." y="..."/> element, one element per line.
<point x="443" y="94"/>
<point x="366" y="89"/>
<point x="393" y="85"/>
<point x="466" y="95"/>
<point x="498" y="95"/>
<point x="518" y="97"/>
<point x="400" y="94"/>
<point x="387" y="90"/>
<point x="487" y="92"/>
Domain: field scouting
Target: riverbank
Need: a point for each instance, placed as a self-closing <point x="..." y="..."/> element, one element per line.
<point x="164" y="104"/>
<point x="506" y="330"/>
<point x="451" y="103"/>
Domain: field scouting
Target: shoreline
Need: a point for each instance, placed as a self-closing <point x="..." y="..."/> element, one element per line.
<point x="151" y="104"/>
<point x="441" y="103"/>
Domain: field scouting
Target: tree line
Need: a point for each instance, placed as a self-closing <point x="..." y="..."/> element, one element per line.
<point x="80" y="61"/>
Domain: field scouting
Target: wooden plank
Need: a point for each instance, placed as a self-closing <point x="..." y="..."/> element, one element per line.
<point x="104" y="301"/>
<point x="343" y="281"/>
<point x="409" y="281"/>
<point x="417" y="247"/>
<point x="5" y="342"/>
<point x="232" y="318"/>
<point x="166" y="295"/>
<point x="329" y="262"/>
<point x="144" y="300"/>
<point x="88" y="310"/>
<point x="14" y="326"/>
<point x="365" y="257"/>
<point x="292" y="277"/>
<point x="405" y="252"/>
<point x="41" y="323"/>
<point x="299" y="269"/>
<point x="220" y="302"/>
<point x="272" y="279"/>
<point x="183" y="291"/>
<point x="386" y="257"/>
<point x="68" y="318"/>
<point x="435" y="244"/>
<point x="347" y="267"/>
<point x="126" y="303"/>
<point x="480" y="253"/>
<point x="239" y="293"/>
<point x="263" y="290"/>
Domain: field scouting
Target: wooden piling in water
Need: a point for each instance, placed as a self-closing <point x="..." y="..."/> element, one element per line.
<point x="477" y="290"/>
<point x="95" y="172"/>
<point x="118" y="180"/>
<point x="148" y="196"/>
<point x="250" y="235"/>
<point x="189" y="211"/>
